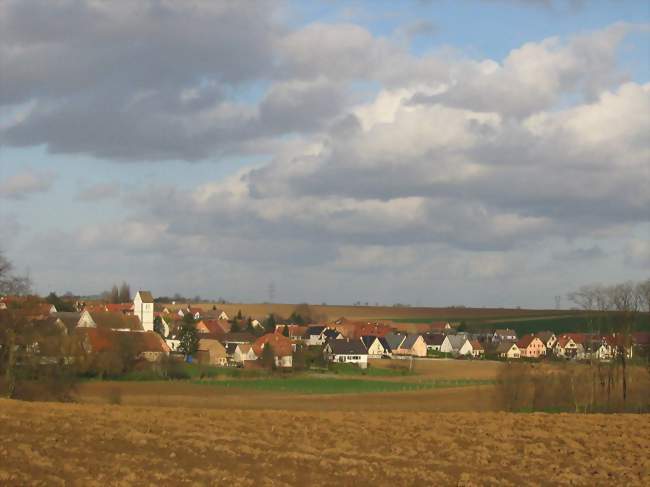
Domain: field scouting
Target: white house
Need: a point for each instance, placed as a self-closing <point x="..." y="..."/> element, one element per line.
<point x="508" y="350"/>
<point x="346" y="352"/>
<point x="456" y="344"/>
<point x="375" y="347"/>
<point x="243" y="352"/>
<point x="143" y="309"/>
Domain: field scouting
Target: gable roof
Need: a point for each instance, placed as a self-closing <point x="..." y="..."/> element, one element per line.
<point x="238" y="337"/>
<point x="69" y="319"/>
<point x="456" y="341"/>
<point x="314" y="330"/>
<point x="347" y="347"/>
<point x="526" y="340"/>
<point x="409" y="341"/>
<point x="545" y="336"/>
<point x="368" y="340"/>
<point x="145" y="296"/>
<point x="281" y="345"/>
<point x="476" y="345"/>
<point x="115" y="320"/>
<point x="505" y="347"/>
<point x="505" y="332"/>
<point x="394" y="340"/>
<point x="435" y="339"/>
<point x="105" y="339"/>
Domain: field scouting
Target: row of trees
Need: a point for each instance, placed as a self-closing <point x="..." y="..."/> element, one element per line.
<point x="624" y="297"/>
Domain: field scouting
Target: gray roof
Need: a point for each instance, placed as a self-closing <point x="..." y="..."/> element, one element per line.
<point x="456" y="341"/>
<point x="315" y="330"/>
<point x="394" y="340"/>
<point x="503" y="347"/>
<point x="68" y="318"/>
<point x="434" y="339"/>
<point x="347" y="347"/>
<point x="409" y="341"/>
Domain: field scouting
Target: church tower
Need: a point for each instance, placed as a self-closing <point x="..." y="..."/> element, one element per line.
<point x="143" y="309"/>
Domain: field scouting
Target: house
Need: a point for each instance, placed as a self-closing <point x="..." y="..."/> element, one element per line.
<point x="106" y="319"/>
<point x="566" y="347"/>
<point x="641" y="341"/>
<point x="243" y="352"/>
<point x="195" y="312"/>
<point x="281" y="346"/>
<point x="211" y="352"/>
<point x="504" y="335"/>
<point x="238" y="337"/>
<point x="216" y="328"/>
<point x="508" y="350"/>
<point x="531" y="346"/>
<point x="434" y="341"/>
<point x="295" y="332"/>
<point x="146" y="345"/>
<point x="69" y="319"/>
<point x="346" y="351"/>
<point x="440" y="326"/>
<point x="376" y="347"/>
<point x="372" y="329"/>
<point x="394" y="339"/>
<point x="619" y="342"/>
<point x="477" y="349"/>
<point x="413" y="345"/>
<point x="143" y="309"/>
<point x="126" y="308"/>
<point x="331" y="334"/>
<point x="314" y="335"/>
<point x="597" y="348"/>
<point x="548" y="338"/>
<point x="456" y="345"/>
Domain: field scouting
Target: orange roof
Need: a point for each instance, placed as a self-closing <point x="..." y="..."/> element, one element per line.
<point x="104" y="339"/>
<point x="476" y="345"/>
<point x="281" y="344"/>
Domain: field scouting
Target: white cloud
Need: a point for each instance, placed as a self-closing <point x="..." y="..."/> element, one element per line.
<point x="24" y="183"/>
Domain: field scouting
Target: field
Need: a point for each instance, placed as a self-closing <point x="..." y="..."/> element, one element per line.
<point x="97" y="445"/>
<point x="423" y="314"/>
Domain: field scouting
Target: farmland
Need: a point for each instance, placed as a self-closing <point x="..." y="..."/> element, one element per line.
<point x="55" y="444"/>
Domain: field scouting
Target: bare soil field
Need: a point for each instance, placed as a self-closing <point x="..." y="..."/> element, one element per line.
<point x="97" y="445"/>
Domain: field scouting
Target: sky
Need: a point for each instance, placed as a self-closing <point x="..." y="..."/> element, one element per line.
<point x="429" y="152"/>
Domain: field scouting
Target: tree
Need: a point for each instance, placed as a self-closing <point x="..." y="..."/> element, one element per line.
<point x="239" y="315"/>
<point x="59" y="303"/>
<point x="189" y="338"/>
<point x="10" y="283"/>
<point x="114" y="295"/>
<point x="235" y="326"/>
<point x="158" y="326"/>
<point x="285" y="331"/>
<point x="299" y="358"/>
<point x="643" y="294"/>
<point x="124" y="293"/>
<point x="269" y="324"/>
<point x="268" y="357"/>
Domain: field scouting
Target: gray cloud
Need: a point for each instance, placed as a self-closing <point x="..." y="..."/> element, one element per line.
<point x="99" y="192"/>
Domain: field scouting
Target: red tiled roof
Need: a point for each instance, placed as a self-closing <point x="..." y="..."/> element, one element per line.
<point x="281" y="344"/>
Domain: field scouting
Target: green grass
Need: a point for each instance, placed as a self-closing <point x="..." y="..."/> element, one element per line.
<point x="354" y="370"/>
<point x="328" y="385"/>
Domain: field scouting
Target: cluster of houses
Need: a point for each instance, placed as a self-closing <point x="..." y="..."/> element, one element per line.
<point x="151" y="333"/>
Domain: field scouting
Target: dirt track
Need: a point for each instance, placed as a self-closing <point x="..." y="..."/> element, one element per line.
<point x="93" y="445"/>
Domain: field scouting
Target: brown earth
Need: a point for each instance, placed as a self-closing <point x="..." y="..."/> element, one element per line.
<point x="98" y="445"/>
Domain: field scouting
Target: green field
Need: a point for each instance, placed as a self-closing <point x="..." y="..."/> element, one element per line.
<point x="576" y="322"/>
<point x="329" y="385"/>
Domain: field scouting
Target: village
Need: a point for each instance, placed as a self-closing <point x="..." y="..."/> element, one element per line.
<point x="151" y="333"/>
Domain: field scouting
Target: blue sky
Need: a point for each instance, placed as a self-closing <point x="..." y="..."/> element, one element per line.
<point x="215" y="171"/>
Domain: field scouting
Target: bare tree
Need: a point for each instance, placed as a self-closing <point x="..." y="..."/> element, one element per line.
<point x="10" y="283"/>
<point x="115" y="295"/>
<point x="643" y="295"/>
<point x="125" y="293"/>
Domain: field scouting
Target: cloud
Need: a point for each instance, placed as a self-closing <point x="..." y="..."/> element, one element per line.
<point x="99" y="192"/>
<point x="25" y="183"/>
<point x="637" y="254"/>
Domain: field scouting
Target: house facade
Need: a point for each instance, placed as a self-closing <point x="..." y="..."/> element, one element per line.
<point x="346" y="352"/>
<point x="143" y="309"/>
<point x="531" y="346"/>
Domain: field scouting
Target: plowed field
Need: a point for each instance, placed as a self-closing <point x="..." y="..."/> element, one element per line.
<point x="98" y="445"/>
